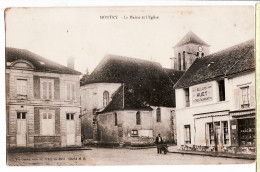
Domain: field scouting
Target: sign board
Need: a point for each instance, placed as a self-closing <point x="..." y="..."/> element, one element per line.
<point x="202" y="93"/>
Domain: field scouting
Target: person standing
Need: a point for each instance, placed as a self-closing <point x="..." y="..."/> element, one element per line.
<point x="158" y="142"/>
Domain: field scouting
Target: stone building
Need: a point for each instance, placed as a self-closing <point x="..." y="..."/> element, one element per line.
<point x="129" y="101"/>
<point x="187" y="50"/>
<point x="43" y="102"/>
<point x="216" y="101"/>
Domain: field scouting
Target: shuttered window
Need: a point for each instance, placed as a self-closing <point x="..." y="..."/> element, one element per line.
<point x="245" y="97"/>
<point x="71" y="92"/>
<point x="47" y="89"/>
<point x="21" y="87"/>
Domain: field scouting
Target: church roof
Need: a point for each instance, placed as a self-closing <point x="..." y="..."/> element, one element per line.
<point x="191" y="37"/>
<point x="146" y="83"/>
<point x="235" y="60"/>
<point x="39" y="63"/>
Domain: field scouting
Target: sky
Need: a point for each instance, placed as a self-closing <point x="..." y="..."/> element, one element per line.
<point x="60" y="33"/>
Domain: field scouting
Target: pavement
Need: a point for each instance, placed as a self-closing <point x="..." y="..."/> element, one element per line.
<point x="171" y="149"/>
<point x="174" y="149"/>
<point x="114" y="156"/>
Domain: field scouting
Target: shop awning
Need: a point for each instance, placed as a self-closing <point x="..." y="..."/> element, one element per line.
<point x="211" y="114"/>
<point x="242" y="113"/>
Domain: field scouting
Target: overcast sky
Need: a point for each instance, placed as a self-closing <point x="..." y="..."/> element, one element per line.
<point x="60" y="33"/>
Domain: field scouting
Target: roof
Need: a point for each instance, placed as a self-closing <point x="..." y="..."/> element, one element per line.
<point x="146" y="83"/>
<point x="191" y="37"/>
<point x="226" y="63"/>
<point x="40" y="64"/>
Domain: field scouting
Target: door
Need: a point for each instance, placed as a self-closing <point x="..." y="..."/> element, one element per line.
<point x="70" y="129"/>
<point x="21" y="129"/>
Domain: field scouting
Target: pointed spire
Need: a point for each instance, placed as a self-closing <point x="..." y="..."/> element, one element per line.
<point x="191" y="37"/>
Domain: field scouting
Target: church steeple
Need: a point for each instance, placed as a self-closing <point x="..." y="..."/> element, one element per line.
<point x="187" y="50"/>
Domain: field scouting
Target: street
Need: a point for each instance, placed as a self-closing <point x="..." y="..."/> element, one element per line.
<point x="110" y="156"/>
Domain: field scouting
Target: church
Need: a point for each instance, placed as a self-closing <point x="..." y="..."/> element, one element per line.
<point x="128" y="101"/>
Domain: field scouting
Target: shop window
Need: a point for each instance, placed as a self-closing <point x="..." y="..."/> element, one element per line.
<point x="225" y="132"/>
<point x="187" y="97"/>
<point x="158" y="115"/>
<point x="47" y="123"/>
<point x="105" y="98"/>
<point x="187" y="135"/>
<point x="47" y="89"/>
<point x="245" y="97"/>
<point x="134" y="133"/>
<point x="247" y="133"/>
<point x="221" y="88"/>
<point x="21" y="86"/>
<point x="115" y="116"/>
<point x="71" y="92"/>
<point x="138" y="118"/>
<point x="211" y="134"/>
<point x="179" y="60"/>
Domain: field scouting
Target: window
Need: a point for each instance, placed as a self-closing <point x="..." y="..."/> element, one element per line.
<point x="21" y="115"/>
<point x="179" y="60"/>
<point x="211" y="134"/>
<point x="115" y="115"/>
<point x="225" y="129"/>
<point x="247" y="132"/>
<point x="184" y="65"/>
<point x="71" y="93"/>
<point x="47" y="89"/>
<point x="245" y="97"/>
<point x="221" y="87"/>
<point x="158" y="115"/>
<point x="47" y="123"/>
<point x="187" y="134"/>
<point x="105" y="98"/>
<point x="187" y="97"/>
<point x="138" y="118"/>
<point x="134" y="133"/>
<point x="21" y="88"/>
<point x="70" y="116"/>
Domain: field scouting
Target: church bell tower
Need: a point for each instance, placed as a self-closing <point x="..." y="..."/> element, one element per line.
<point x="187" y="50"/>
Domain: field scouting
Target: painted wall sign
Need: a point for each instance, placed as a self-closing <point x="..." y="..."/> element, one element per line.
<point x="202" y="93"/>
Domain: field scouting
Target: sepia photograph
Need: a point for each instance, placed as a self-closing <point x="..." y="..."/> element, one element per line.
<point x="164" y="85"/>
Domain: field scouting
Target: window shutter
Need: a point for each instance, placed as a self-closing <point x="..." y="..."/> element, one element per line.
<point x="50" y="90"/>
<point x="68" y="91"/>
<point x="73" y="92"/>
<point x="252" y="95"/>
<point x="44" y="90"/>
<point x="36" y="87"/>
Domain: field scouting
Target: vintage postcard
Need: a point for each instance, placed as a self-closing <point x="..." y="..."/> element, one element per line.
<point x="100" y="86"/>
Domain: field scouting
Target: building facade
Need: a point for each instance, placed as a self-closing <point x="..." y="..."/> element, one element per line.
<point x="216" y="101"/>
<point x="43" y="102"/>
<point x="129" y="101"/>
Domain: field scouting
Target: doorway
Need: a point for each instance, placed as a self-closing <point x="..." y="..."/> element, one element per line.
<point x="70" y="129"/>
<point x="21" y="129"/>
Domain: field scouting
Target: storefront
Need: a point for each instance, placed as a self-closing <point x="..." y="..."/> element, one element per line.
<point x="243" y="128"/>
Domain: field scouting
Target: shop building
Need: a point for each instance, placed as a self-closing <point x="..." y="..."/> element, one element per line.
<point x="216" y="101"/>
<point x="129" y="101"/>
<point x="42" y="102"/>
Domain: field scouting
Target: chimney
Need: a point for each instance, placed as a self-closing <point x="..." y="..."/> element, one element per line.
<point x="70" y="62"/>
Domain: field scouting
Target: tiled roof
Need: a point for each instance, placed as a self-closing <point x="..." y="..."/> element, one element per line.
<point x="146" y="83"/>
<point x="40" y="64"/>
<point x="191" y="37"/>
<point x="234" y="60"/>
